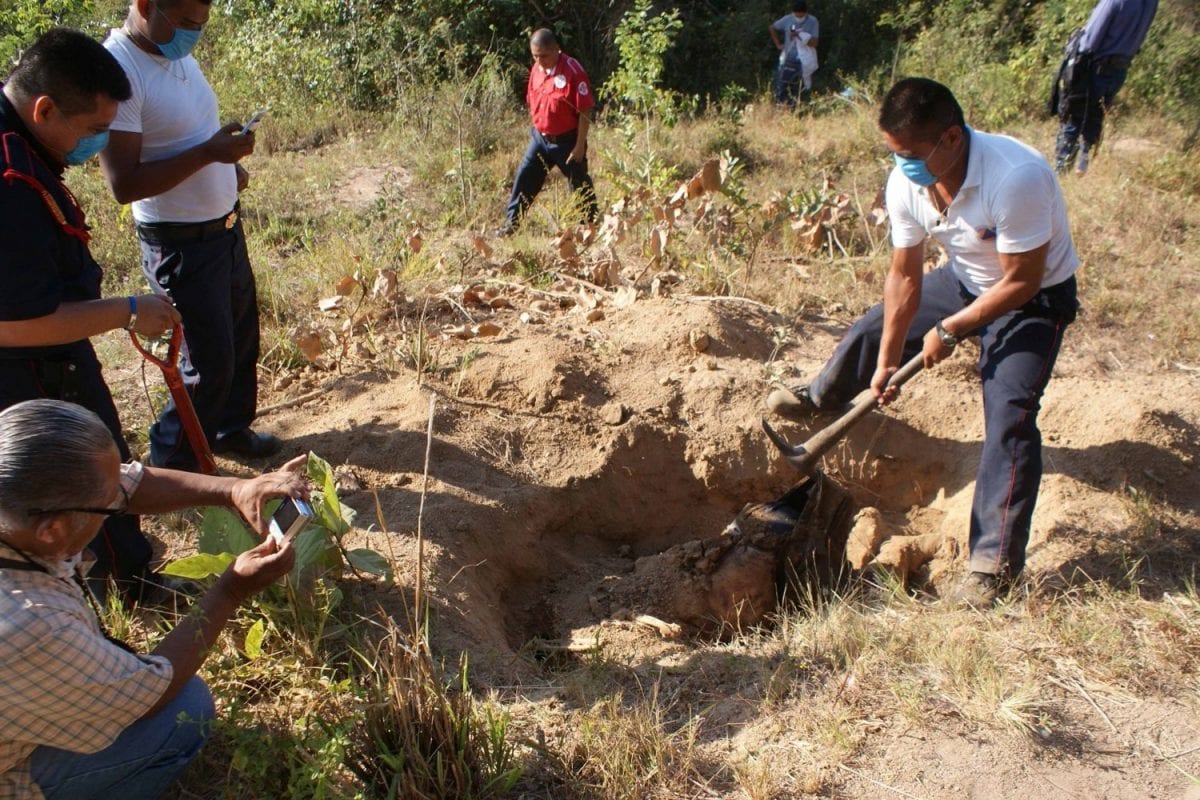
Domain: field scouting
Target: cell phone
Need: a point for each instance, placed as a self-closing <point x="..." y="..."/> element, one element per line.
<point x="254" y="120"/>
<point x="290" y="518"/>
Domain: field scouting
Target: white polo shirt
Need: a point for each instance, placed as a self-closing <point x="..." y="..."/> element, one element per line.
<point x="174" y="109"/>
<point x="1010" y="202"/>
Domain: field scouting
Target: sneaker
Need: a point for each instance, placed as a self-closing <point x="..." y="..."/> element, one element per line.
<point x="1081" y="166"/>
<point x="248" y="444"/>
<point x="794" y="404"/>
<point x="503" y="233"/>
<point x="979" y="590"/>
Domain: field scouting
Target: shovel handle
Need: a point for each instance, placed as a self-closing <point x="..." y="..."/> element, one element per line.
<point x="807" y="456"/>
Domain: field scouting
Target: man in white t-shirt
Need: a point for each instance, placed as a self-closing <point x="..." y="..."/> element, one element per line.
<point x="995" y="205"/>
<point x="795" y="37"/>
<point x="169" y="155"/>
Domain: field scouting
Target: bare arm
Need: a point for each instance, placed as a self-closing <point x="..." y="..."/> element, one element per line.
<point x="171" y="490"/>
<point x="901" y="297"/>
<point x="579" y="151"/>
<point x="187" y="645"/>
<point x="72" y="322"/>
<point x="132" y="179"/>
<point x="774" y="36"/>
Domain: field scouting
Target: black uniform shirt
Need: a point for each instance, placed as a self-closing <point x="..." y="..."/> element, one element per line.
<point x="41" y="265"/>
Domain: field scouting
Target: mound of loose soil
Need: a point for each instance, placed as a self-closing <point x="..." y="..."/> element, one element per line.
<point x="569" y="456"/>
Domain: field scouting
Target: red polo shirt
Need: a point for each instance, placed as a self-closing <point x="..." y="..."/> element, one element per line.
<point x="556" y="99"/>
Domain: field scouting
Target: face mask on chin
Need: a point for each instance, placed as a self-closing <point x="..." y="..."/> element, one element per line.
<point x="86" y="147"/>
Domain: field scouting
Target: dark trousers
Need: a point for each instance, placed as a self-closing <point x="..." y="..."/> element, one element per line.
<point x="1083" y="114"/>
<point x="212" y="285"/>
<point x="788" y="83"/>
<point x="122" y="552"/>
<point x="540" y="156"/>
<point x="1017" y="353"/>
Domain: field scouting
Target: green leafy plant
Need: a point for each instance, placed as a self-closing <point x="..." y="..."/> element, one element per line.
<point x="319" y="547"/>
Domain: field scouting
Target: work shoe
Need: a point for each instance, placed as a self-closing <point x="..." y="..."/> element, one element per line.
<point x="1081" y="166"/>
<point x="248" y="444"/>
<point x="979" y="590"/>
<point x="503" y="233"/>
<point x="794" y="404"/>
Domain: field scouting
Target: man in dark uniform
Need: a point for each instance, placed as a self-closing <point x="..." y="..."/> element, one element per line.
<point x="1113" y="35"/>
<point x="54" y="111"/>
<point x="560" y="101"/>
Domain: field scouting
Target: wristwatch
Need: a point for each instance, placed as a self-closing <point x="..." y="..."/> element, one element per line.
<point x="948" y="338"/>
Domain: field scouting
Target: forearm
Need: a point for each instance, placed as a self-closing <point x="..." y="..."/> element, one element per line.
<point x="1009" y="293"/>
<point x="150" y="178"/>
<point x="187" y="645"/>
<point x="70" y="322"/>
<point x="163" y="490"/>
<point x="585" y="123"/>
<point x="901" y="297"/>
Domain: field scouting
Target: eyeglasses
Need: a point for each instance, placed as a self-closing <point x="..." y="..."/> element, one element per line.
<point x="122" y="508"/>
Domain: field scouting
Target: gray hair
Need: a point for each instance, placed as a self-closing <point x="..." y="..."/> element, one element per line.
<point x="48" y="455"/>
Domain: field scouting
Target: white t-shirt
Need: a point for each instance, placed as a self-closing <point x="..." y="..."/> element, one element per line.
<point x="796" y="34"/>
<point x="1010" y="202"/>
<point x="174" y="109"/>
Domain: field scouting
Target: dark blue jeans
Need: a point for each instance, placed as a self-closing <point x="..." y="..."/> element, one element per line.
<point x="144" y="761"/>
<point x="212" y="285"/>
<point x="1017" y="353"/>
<point x="122" y="552"/>
<point x="788" y="79"/>
<point x="1084" y="115"/>
<point x="540" y="156"/>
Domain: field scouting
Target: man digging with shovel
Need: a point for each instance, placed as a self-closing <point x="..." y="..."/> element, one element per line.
<point x="995" y="206"/>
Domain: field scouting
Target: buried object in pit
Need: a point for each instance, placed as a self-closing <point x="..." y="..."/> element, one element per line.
<point x="791" y="547"/>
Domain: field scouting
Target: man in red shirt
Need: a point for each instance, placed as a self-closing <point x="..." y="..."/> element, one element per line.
<point x="560" y="100"/>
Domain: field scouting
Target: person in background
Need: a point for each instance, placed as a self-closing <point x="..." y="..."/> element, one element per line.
<point x="169" y="155"/>
<point x="55" y="112"/>
<point x="795" y="36"/>
<point x="1113" y="35"/>
<point x="82" y="715"/>
<point x="560" y="101"/>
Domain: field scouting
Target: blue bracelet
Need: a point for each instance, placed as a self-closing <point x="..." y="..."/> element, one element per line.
<point x="132" y="313"/>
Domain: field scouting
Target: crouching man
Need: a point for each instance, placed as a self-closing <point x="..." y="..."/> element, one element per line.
<point x="81" y="714"/>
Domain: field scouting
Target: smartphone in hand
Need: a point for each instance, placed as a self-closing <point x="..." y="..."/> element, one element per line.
<point x="255" y="119"/>
<point x="289" y="519"/>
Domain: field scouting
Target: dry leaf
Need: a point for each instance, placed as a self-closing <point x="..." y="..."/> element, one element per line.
<point x="500" y="302"/>
<point x="658" y="241"/>
<point x="331" y="303"/>
<point x="681" y="195"/>
<point x="481" y="246"/>
<point x="711" y="176"/>
<point x="345" y="285"/>
<point x="595" y="315"/>
<point x="416" y="241"/>
<point x="564" y="243"/>
<point x="309" y="344"/>
<point x="486" y="329"/>
<point x="542" y="306"/>
<point x="624" y="297"/>
<point x="586" y="299"/>
<point x="387" y="284"/>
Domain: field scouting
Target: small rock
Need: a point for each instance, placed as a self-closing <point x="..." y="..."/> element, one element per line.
<point x="624" y="551"/>
<point x="613" y="414"/>
<point x="698" y="340"/>
<point x="710" y="363"/>
<point x="283" y="382"/>
<point x="347" y="480"/>
<point x="595" y="315"/>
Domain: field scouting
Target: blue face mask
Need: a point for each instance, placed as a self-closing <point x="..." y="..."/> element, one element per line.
<point x="182" y="42"/>
<point x="915" y="169"/>
<point x="87" y="147"/>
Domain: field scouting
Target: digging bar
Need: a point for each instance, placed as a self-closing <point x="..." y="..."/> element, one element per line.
<point x="807" y="456"/>
<point x="183" y="401"/>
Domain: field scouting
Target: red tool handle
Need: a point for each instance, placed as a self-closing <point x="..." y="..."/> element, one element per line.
<point x="183" y="401"/>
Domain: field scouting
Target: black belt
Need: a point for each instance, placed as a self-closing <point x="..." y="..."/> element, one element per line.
<point x="559" y="138"/>
<point x="186" y="232"/>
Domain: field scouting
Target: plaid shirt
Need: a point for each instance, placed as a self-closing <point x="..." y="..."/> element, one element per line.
<point x="62" y="684"/>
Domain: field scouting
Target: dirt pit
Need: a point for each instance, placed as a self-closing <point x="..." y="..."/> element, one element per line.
<point x="569" y="457"/>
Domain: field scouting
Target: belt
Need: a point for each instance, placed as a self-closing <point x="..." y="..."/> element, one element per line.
<point x="559" y="138"/>
<point x="186" y="232"/>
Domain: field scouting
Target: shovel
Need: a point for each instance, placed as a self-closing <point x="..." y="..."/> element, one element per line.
<point x="183" y="401"/>
<point x="807" y="456"/>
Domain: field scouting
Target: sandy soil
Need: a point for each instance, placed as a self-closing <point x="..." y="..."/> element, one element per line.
<point x="568" y="450"/>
